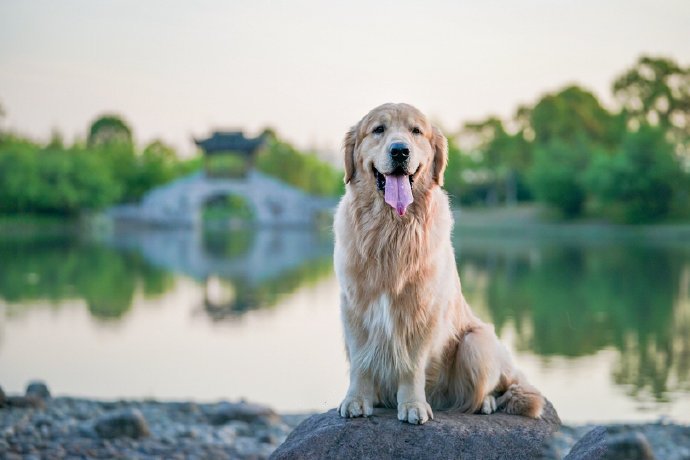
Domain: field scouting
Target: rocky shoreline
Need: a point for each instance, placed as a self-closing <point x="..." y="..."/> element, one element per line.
<point x="36" y="425"/>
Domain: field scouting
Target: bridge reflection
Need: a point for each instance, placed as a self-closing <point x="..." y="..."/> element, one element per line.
<point x="240" y="270"/>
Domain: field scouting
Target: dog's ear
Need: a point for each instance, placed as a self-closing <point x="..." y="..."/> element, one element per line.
<point x="349" y="150"/>
<point x="440" y="146"/>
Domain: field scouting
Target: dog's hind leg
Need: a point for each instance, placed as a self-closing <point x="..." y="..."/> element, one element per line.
<point x="486" y="367"/>
<point x="521" y="398"/>
<point x="476" y="371"/>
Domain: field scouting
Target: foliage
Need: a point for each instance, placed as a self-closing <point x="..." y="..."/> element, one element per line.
<point x="571" y="115"/>
<point x="637" y="184"/>
<point x="302" y="170"/>
<point x="109" y="130"/>
<point x="571" y="153"/>
<point x="566" y="150"/>
<point x="52" y="180"/>
<point x="557" y="177"/>
<point x="460" y="188"/>
<point x="158" y="164"/>
<point x="656" y="91"/>
<point x="495" y="163"/>
<point x="226" y="165"/>
<point x="227" y="207"/>
<point x="68" y="180"/>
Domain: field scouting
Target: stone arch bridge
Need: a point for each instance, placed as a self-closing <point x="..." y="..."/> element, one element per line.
<point x="180" y="203"/>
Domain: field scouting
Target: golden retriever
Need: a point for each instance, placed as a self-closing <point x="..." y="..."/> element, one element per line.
<point x="411" y="338"/>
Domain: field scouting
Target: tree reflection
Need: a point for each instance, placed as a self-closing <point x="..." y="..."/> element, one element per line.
<point x="58" y="269"/>
<point x="240" y="270"/>
<point x="574" y="300"/>
<point x="253" y="269"/>
<point x="227" y="298"/>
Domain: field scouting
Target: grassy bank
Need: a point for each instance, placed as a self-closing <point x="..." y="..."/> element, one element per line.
<point x="536" y="222"/>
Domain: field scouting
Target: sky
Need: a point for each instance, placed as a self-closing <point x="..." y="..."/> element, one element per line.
<point x="307" y="68"/>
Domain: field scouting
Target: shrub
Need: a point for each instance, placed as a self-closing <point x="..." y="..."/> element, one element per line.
<point x="556" y="177"/>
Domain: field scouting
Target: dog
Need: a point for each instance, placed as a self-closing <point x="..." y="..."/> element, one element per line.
<point x="412" y="341"/>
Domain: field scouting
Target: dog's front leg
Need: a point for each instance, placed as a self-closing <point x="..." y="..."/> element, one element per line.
<point x="359" y="400"/>
<point x="412" y="405"/>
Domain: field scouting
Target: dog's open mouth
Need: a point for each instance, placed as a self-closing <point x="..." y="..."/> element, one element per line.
<point x="397" y="189"/>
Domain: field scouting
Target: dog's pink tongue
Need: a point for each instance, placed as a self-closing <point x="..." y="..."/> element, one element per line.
<point x="398" y="193"/>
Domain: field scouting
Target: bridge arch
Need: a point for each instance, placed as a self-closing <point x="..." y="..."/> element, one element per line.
<point x="180" y="203"/>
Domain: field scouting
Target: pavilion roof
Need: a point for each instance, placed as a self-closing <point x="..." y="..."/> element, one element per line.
<point x="230" y="141"/>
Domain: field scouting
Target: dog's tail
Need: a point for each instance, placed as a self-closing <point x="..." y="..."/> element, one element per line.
<point x="521" y="398"/>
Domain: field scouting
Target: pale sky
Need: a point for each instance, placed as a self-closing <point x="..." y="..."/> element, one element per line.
<point x="310" y="68"/>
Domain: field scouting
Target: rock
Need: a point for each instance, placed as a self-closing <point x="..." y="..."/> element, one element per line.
<point x="24" y="402"/>
<point x="449" y="435"/>
<point x="2" y="397"/>
<point x="224" y="412"/>
<point x="128" y="423"/>
<point x="604" y="443"/>
<point x="37" y="389"/>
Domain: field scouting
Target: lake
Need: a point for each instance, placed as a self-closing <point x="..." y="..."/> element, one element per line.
<point x="601" y="326"/>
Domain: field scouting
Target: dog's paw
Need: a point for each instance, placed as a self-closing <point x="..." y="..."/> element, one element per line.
<point x="356" y="406"/>
<point x="415" y="412"/>
<point x="489" y="405"/>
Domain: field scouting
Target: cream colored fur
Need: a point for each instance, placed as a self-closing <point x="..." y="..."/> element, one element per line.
<point x="411" y="338"/>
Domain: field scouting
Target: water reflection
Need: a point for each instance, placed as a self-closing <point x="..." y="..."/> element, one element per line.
<point x="240" y="270"/>
<point x="576" y="299"/>
<point x="567" y="307"/>
<point x="58" y="269"/>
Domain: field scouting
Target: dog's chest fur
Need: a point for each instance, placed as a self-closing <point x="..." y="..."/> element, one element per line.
<point x="389" y="300"/>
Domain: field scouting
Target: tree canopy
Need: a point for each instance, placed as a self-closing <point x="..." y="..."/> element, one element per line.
<point x="656" y="91"/>
<point x="566" y="150"/>
<point x="569" y="151"/>
<point x="108" y="130"/>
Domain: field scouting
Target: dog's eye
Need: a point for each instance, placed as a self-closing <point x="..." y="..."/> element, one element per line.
<point x="379" y="129"/>
<point x="416" y="130"/>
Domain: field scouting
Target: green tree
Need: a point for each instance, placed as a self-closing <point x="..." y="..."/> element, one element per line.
<point x="638" y="183"/>
<point x="499" y="159"/>
<point x="302" y="170"/>
<point x="455" y="181"/>
<point x="568" y="128"/>
<point x="109" y="129"/>
<point x="572" y="115"/>
<point x="2" y="115"/>
<point x="72" y="181"/>
<point x="656" y="91"/>
<point x="155" y="166"/>
<point x="19" y="179"/>
<point x="557" y="176"/>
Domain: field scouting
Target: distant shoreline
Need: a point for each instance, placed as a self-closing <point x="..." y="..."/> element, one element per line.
<point x="528" y="221"/>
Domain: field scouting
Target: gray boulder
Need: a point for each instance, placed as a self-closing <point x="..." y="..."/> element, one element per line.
<point x="37" y="389"/>
<point x="25" y="402"/>
<point x="224" y="412"/>
<point x="607" y="443"/>
<point x="451" y="435"/>
<point x="126" y="423"/>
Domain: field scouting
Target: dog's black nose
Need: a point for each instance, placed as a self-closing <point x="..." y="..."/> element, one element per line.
<point x="399" y="151"/>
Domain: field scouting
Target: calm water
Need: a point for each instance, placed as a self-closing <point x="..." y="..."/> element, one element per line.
<point x="603" y="329"/>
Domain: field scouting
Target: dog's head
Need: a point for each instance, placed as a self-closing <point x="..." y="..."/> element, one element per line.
<point x="392" y="150"/>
